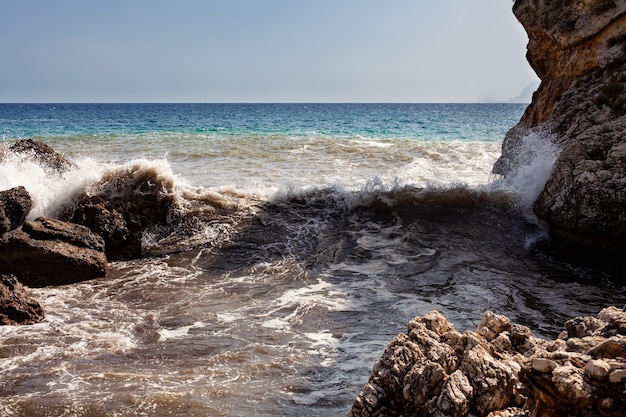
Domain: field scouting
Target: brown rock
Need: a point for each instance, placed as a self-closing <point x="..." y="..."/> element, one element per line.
<point x="16" y="304"/>
<point x="598" y="369"/>
<point x="421" y="374"/>
<point x="125" y="204"/>
<point x="50" y="252"/>
<point x="43" y="155"/>
<point x="578" y="49"/>
<point x="427" y="374"/>
<point x="15" y="204"/>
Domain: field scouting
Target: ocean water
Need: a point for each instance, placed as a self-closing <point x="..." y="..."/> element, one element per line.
<point x="315" y="233"/>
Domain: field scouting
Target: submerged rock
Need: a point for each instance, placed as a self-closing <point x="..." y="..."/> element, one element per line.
<point x="15" y="204"/>
<point x="51" y="252"/>
<point x="16" y="304"/>
<point x="499" y="370"/>
<point x="578" y="50"/>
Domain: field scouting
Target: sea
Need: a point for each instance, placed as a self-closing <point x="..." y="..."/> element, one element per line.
<point x="314" y="233"/>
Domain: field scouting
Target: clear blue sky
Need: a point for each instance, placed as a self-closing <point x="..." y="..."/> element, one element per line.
<point x="261" y="51"/>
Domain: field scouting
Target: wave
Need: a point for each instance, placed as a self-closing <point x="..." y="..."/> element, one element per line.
<point x="436" y="175"/>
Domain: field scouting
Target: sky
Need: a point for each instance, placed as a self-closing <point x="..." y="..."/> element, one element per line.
<point x="261" y="51"/>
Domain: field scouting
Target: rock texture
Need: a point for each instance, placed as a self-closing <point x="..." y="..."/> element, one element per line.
<point x="15" y="204"/>
<point x="16" y="304"/>
<point x="125" y="204"/>
<point x="578" y="49"/>
<point x="50" y="252"/>
<point x="42" y="154"/>
<point x="500" y="369"/>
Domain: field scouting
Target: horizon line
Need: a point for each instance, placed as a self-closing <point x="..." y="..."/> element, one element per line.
<point x="265" y="102"/>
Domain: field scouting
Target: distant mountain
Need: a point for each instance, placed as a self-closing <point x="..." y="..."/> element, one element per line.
<point x="526" y="95"/>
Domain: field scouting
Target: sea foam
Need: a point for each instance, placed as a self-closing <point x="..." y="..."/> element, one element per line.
<point x="49" y="191"/>
<point x="536" y="156"/>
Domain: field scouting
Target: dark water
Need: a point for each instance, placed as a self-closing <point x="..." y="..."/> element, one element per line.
<point x="301" y="257"/>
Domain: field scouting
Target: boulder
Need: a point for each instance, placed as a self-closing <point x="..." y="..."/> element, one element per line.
<point x="51" y="252"/>
<point x="436" y="371"/>
<point x="501" y="369"/>
<point x="15" y="204"/>
<point x="578" y="49"/>
<point x="127" y="202"/>
<point x="16" y="304"/>
<point x="42" y="154"/>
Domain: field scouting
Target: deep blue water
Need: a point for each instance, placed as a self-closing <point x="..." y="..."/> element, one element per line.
<point x="475" y="122"/>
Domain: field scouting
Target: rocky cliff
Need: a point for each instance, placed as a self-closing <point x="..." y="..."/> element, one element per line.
<point x="578" y="49"/>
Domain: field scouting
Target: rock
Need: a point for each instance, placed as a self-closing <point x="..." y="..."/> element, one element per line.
<point x="43" y="155"/>
<point x="582" y="326"/>
<point x="15" y="204"/>
<point x="492" y="325"/>
<point x="579" y="52"/>
<point x="543" y="365"/>
<point x="421" y="374"/>
<point x="614" y="347"/>
<point x="50" y="252"/>
<point x="426" y="373"/>
<point x="617" y="376"/>
<point x="123" y="206"/>
<point x="598" y="369"/>
<point x="16" y="304"/>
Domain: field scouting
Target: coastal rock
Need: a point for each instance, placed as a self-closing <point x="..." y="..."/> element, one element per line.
<point x="15" y="204"/>
<point x="436" y="371"/>
<point x="578" y="49"/>
<point x="42" y="154"/>
<point x="16" y="304"/>
<point x="123" y="206"/>
<point x="50" y="252"/>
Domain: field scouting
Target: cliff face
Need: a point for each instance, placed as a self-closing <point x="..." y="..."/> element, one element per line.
<point x="578" y="49"/>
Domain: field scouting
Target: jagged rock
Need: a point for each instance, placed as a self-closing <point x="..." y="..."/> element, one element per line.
<point x="578" y="49"/>
<point x="435" y="371"/>
<point x="50" y="252"/>
<point x="16" y="304"/>
<point x="125" y="204"/>
<point x="42" y="154"/>
<point x="15" y="204"/>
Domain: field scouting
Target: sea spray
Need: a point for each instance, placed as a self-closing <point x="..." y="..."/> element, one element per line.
<point x="49" y="191"/>
<point x="536" y="156"/>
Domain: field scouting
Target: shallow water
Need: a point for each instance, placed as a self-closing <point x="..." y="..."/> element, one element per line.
<point x="299" y="260"/>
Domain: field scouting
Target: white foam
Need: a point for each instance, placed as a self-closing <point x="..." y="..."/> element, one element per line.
<point x="178" y="333"/>
<point x="48" y="191"/>
<point x="536" y="156"/>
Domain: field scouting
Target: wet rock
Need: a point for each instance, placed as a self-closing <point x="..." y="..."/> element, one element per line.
<point x="42" y="154"/>
<point x="426" y="373"/>
<point x="50" y="252"/>
<point x="16" y="304"/>
<point x="123" y="207"/>
<point x="578" y="50"/>
<point x="15" y="204"/>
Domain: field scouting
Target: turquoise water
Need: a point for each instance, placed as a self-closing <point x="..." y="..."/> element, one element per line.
<point x="474" y="122"/>
<point x="265" y="148"/>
